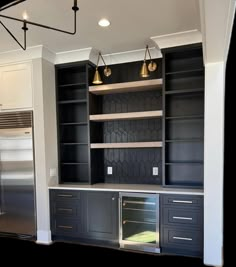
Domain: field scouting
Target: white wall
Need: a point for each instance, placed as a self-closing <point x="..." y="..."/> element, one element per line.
<point x="45" y="140"/>
<point x="214" y="163"/>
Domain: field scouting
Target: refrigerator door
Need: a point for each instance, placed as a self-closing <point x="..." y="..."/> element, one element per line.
<point x="17" y="194"/>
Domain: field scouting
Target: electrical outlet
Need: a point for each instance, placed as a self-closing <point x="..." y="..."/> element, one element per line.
<point x="109" y="170"/>
<point x="155" y="171"/>
<point x="52" y="172"/>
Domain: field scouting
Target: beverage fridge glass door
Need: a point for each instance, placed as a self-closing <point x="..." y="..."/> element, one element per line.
<point x="139" y="221"/>
<point x="17" y="195"/>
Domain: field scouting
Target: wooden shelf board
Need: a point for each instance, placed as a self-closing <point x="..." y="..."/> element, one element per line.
<point x="127" y="145"/>
<point x="136" y="86"/>
<point x="126" y="116"/>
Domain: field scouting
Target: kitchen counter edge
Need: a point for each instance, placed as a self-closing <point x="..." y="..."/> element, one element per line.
<point x="129" y="188"/>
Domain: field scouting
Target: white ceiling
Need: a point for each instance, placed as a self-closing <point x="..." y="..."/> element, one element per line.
<point x="133" y="22"/>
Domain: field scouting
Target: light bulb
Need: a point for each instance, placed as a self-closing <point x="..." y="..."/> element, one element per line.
<point x="25" y="15"/>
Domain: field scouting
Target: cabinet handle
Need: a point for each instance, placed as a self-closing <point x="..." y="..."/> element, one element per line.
<point x="65" y="227"/>
<point x="183" y="238"/>
<point x="183" y="201"/>
<point x="182" y="218"/>
<point x="113" y="198"/>
<point x="65" y="195"/>
<point x="62" y="209"/>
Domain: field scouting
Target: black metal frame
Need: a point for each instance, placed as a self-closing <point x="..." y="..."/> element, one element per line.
<point x="10" y="4"/>
<point x="25" y="22"/>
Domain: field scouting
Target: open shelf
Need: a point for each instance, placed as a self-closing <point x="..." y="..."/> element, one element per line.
<point x="72" y="84"/>
<point x="72" y="101"/>
<point x="71" y="144"/>
<point x="185" y="72"/>
<point x="183" y="91"/>
<point x="126" y="116"/>
<point x="127" y="145"/>
<point x="73" y="123"/>
<point x="184" y="162"/>
<point x="126" y="87"/>
<point x="74" y="163"/>
<point x="185" y="140"/>
<point x="185" y="117"/>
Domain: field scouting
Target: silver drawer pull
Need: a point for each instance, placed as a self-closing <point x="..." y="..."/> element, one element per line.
<point x="65" y="195"/>
<point x="62" y="209"/>
<point x="182" y="218"/>
<point x="182" y="238"/>
<point x="182" y="201"/>
<point x="65" y="227"/>
<point x="138" y="202"/>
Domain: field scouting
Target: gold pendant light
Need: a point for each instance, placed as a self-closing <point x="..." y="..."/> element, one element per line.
<point x="107" y="71"/>
<point x="152" y="66"/>
<point x="144" y="70"/>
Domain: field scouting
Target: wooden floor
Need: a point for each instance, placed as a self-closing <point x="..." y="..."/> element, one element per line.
<point x="59" y="252"/>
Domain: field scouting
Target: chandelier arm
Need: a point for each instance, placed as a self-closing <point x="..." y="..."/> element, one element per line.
<point x="13" y="4"/>
<point x="42" y="25"/>
<point x="74" y="8"/>
<point x="23" y="47"/>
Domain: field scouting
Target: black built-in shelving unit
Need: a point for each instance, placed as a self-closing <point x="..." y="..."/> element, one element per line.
<point x="131" y="164"/>
<point x="72" y="119"/>
<point x="183" y="120"/>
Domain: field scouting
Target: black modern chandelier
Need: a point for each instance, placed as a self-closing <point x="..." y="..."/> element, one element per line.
<point x="4" y="4"/>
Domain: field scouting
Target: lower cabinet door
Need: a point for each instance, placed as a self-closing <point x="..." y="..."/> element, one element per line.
<point x="101" y="215"/>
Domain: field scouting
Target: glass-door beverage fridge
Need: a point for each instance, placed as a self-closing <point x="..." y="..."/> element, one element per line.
<point x="139" y="222"/>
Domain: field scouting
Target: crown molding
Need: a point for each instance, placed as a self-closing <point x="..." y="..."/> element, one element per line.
<point x="177" y="39"/>
<point x="129" y="56"/>
<point x="73" y="56"/>
<point x="21" y="55"/>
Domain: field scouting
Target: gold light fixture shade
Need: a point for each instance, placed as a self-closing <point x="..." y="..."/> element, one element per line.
<point x="144" y="70"/>
<point x="107" y="71"/>
<point x="152" y="66"/>
<point x="97" y="78"/>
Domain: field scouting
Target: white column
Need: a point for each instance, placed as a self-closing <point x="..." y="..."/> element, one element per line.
<point x="214" y="163"/>
<point x="45" y="142"/>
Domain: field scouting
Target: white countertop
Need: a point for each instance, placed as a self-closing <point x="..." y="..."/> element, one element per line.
<point x="130" y="188"/>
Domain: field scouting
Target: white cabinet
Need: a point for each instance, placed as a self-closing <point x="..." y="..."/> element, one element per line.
<point x="16" y="86"/>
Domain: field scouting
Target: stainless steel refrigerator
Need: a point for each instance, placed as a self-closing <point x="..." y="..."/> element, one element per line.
<point x="17" y="181"/>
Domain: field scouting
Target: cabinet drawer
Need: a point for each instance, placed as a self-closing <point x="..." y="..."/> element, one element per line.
<point x="63" y="195"/>
<point x="182" y="217"/>
<point x="182" y="200"/>
<point x="66" y="227"/>
<point x="182" y="239"/>
<point x="66" y="208"/>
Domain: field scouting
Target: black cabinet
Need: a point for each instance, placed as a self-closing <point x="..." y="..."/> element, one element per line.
<point x="66" y="213"/>
<point x="182" y="224"/>
<point x="183" y="101"/>
<point x="101" y="215"/>
<point x="86" y="216"/>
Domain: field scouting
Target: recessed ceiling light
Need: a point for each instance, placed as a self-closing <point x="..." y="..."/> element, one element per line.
<point x="104" y="22"/>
